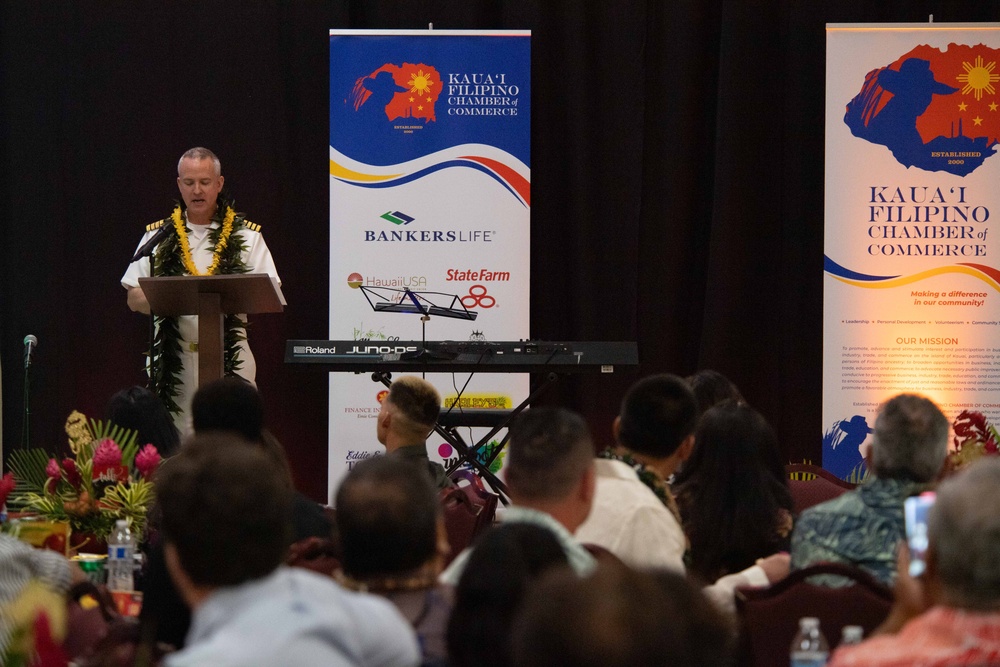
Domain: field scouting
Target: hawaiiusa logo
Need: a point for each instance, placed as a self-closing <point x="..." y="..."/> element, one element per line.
<point x="395" y="92"/>
<point x="934" y="110"/>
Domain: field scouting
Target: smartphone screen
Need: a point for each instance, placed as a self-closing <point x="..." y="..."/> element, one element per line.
<point x="915" y="510"/>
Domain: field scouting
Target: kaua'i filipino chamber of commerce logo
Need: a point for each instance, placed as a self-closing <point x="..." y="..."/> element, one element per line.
<point x="393" y="92"/>
<point x="934" y="110"/>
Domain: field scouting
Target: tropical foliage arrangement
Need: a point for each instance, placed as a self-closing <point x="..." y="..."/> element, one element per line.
<point x="108" y="477"/>
<point x="974" y="437"/>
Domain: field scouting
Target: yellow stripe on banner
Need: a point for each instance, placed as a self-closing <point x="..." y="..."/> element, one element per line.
<point x="906" y="280"/>
<point x="340" y="171"/>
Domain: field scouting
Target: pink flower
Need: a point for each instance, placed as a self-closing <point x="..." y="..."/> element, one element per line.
<point x="146" y="461"/>
<point x="54" y="473"/>
<point x="107" y="454"/>
<point x="72" y="474"/>
<point x="970" y="426"/>
<point x="6" y="486"/>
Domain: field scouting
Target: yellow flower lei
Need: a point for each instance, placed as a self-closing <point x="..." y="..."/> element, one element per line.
<point x="227" y="229"/>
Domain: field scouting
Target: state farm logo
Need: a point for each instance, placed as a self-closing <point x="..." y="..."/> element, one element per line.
<point x="477" y="275"/>
<point x="478" y="298"/>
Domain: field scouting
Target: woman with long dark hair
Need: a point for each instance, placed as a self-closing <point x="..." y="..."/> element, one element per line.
<point x="734" y="508"/>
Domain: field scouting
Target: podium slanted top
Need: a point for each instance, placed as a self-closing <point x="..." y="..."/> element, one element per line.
<point x="239" y="293"/>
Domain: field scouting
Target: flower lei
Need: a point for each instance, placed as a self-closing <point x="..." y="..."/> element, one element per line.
<point x="220" y="244"/>
<point x="173" y="258"/>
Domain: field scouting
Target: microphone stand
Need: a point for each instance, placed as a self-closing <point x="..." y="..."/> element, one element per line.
<point x="26" y="427"/>
<point x="151" y="372"/>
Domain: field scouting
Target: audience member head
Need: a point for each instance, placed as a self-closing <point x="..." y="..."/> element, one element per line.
<point x="228" y="404"/>
<point x="734" y="508"/>
<point x="550" y="464"/>
<point x="226" y="514"/>
<point x="501" y="572"/>
<point x="963" y="531"/>
<point x="390" y="523"/>
<point x="910" y="440"/>
<point x="619" y="617"/>
<point x="657" y="416"/>
<point x="711" y="388"/>
<point x="140" y="409"/>
<point x="234" y="405"/>
<point x="409" y="412"/>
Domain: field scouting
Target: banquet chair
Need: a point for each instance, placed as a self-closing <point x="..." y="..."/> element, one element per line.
<point x="469" y="509"/>
<point x="811" y="485"/>
<point x="769" y="617"/>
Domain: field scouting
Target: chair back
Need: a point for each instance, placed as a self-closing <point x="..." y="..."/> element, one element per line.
<point x="469" y="509"/>
<point x="769" y="617"/>
<point x="811" y="485"/>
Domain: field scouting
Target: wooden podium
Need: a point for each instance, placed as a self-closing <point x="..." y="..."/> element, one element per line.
<point x="211" y="297"/>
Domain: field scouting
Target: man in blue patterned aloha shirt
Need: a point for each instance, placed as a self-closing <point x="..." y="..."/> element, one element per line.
<point x="863" y="527"/>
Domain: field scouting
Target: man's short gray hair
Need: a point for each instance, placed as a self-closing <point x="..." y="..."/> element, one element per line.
<point x="964" y="532"/>
<point x="200" y="153"/>
<point x="911" y="439"/>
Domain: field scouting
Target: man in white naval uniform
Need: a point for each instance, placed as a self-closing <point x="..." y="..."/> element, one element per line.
<point x="200" y="180"/>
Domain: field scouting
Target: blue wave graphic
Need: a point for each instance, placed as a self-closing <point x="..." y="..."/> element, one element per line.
<point x="832" y="267"/>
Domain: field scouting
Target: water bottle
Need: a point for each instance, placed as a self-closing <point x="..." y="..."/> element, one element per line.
<point x="851" y="635"/>
<point x="809" y="648"/>
<point x="120" y="558"/>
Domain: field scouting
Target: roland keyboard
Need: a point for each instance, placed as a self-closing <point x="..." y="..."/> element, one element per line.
<point x="463" y="356"/>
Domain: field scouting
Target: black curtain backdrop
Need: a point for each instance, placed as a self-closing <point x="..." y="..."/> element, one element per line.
<point x="677" y="182"/>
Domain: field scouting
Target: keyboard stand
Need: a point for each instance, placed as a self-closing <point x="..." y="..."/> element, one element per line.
<point x="450" y="420"/>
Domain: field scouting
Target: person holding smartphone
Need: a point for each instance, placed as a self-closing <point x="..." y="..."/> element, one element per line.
<point x="949" y="615"/>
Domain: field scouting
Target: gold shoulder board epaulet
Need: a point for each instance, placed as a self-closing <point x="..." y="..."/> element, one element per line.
<point x="252" y="226"/>
<point x="153" y="226"/>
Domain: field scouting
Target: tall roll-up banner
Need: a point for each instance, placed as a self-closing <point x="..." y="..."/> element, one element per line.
<point x="429" y="191"/>
<point x="912" y="261"/>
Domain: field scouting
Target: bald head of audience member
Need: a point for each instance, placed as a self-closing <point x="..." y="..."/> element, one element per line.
<point x="910" y="440"/>
<point x="409" y="412"/>
<point x="226" y="514"/>
<point x="390" y="524"/>
<point x="619" y="617"/>
<point x="550" y="464"/>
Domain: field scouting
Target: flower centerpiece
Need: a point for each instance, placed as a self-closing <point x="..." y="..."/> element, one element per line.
<point x="7" y="484"/>
<point x="974" y="437"/>
<point x="108" y="477"/>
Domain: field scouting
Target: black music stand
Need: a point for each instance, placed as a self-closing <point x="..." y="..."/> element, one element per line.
<point x="392" y="300"/>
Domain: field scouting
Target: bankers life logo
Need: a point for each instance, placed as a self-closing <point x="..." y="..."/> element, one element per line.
<point x="398" y="220"/>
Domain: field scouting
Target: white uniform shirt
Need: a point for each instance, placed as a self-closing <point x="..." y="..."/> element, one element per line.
<point x="257" y="258"/>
